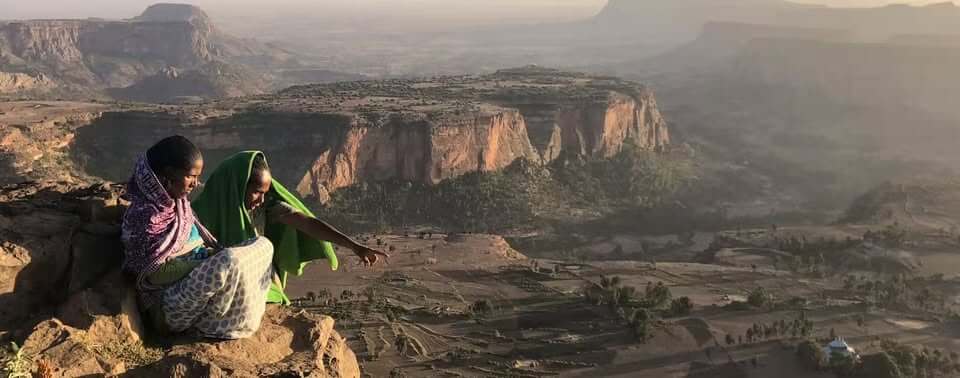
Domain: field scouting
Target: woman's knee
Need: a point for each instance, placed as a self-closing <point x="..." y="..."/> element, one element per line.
<point x="256" y="246"/>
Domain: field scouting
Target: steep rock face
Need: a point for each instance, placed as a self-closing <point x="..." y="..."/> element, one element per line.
<point x="598" y="130"/>
<point x="87" y="48"/>
<point x="322" y="138"/>
<point x="423" y="151"/>
<point x="603" y="132"/>
<point x="97" y="58"/>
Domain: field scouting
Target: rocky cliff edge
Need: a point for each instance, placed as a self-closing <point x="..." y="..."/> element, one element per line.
<point x="64" y="300"/>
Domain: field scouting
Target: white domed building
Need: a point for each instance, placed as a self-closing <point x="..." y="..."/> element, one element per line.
<point x="840" y="347"/>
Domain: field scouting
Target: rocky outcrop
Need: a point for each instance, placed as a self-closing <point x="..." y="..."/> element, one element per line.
<point x="51" y="232"/>
<point x="64" y="299"/>
<point x="35" y="138"/>
<point x="21" y="82"/>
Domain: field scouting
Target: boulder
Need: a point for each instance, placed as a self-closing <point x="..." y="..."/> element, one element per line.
<point x="64" y="349"/>
<point x="289" y="343"/>
<point x="108" y="310"/>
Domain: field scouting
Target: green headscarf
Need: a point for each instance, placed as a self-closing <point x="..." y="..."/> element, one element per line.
<point x="220" y="207"/>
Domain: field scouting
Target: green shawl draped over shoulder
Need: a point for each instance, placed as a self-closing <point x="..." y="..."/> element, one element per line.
<point x="220" y="207"/>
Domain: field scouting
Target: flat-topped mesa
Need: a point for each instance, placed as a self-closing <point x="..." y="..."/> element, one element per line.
<point x="63" y="44"/>
<point x="129" y="59"/>
<point x="321" y="138"/>
<point x="170" y="12"/>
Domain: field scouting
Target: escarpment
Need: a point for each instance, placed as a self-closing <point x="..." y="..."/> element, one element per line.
<point x="322" y="138"/>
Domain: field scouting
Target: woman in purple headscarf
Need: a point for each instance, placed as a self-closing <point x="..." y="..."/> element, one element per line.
<point x="184" y="279"/>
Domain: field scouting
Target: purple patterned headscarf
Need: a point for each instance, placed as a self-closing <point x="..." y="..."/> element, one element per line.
<point x="156" y="226"/>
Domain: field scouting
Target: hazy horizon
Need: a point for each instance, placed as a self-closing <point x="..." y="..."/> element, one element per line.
<point x="487" y="11"/>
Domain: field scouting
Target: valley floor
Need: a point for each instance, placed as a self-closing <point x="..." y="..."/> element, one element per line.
<point x="542" y="326"/>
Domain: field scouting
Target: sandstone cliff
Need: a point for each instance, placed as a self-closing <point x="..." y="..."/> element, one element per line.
<point x="326" y="137"/>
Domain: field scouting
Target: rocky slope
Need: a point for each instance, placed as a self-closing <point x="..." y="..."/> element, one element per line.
<point x="859" y="74"/>
<point x="35" y="138"/>
<point x="63" y="298"/>
<point x="716" y="46"/>
<point x="926" y="204"/>
<point x="325" y="137"/>
<point x="132" y="59"/>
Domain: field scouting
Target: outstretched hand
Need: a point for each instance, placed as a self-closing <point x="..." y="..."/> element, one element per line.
<point x="369" y="256"/>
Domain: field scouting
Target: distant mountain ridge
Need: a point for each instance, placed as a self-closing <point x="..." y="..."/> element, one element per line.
<point x="145" y="58"/>
<point x="683" y="19"/>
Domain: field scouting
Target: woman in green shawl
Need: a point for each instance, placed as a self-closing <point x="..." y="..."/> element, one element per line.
<point x="241" y="201"/>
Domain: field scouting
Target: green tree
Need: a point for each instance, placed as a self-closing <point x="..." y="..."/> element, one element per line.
<point x="402" y="344"/>
<point x="894" y="235"/>
<point x="905" y="357"/>
<point x="626" y="294"/>
<point x="657" y="296"/>
<point x="759" y="297"/>
<point x="640" y="323"/>
<point x="880" y="365"/>
<point x="482" y="307"/>
<point x="842" y="365"/>
<point x="681" y="306"/>
<point x="810" y="355"/>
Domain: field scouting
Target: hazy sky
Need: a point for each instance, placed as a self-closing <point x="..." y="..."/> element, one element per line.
<point x="541" y="10"/>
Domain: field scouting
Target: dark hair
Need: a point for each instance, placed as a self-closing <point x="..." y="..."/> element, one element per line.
<point x="173" y="152"/>
<point x="259" y="166"/>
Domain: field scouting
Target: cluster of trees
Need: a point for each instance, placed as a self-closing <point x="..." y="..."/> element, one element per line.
<point x="348" y="304"/>
<point x="638" y="309"/>
<point x="892" y="236"/>
<point x="477" y="201"/>
<point x="782" y="328"/>
<point x="804" y="246"/>
<point x="896" y="291"/>
<point x="633" y="177"/>
<point x="811" y="256"/>
<point x="481" y="308"/>
<point x="915" y="362"/>
<point x="516" y="195"/>
<point x="894" y="361"/>
<point x="760" y="298"/>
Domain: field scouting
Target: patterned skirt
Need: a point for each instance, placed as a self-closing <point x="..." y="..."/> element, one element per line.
<point x="225" y="297"/>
